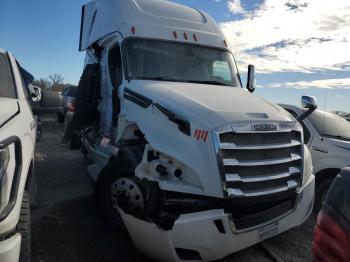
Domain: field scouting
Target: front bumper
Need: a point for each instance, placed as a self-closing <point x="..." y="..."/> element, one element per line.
<point x="10" y="248"/>
<point x="197" y="232"/>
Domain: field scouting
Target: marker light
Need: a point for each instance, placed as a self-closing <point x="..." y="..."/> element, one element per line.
<point x="195" y="37"/>
<point x="133" y="30"/>
<point x="175" y="34"/>
<point x="185" y="36"/>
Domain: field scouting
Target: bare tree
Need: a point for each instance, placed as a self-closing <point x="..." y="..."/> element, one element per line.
<point x="56" y="79"/>
<point x="43" y="83"/>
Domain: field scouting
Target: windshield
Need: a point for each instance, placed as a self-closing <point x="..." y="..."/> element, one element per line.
<point x="179" y="62"/>
<point x="334" y="126"/>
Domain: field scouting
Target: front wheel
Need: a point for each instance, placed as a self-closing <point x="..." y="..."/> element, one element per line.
<point x="321" y="193"/>
<point x="103" y="191"/>
<point x="24" y="228"/>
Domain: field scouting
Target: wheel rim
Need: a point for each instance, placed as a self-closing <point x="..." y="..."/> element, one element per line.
<point x="126" y="194"/>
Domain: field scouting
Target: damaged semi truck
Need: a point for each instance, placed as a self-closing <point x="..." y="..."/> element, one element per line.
<point x="196" y="164"/>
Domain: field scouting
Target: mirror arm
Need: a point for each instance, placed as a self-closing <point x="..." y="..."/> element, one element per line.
<point x="306" y="113"/>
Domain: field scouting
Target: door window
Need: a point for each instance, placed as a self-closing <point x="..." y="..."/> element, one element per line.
<point x="115" y="66"/>
<point x="7" y="86"/>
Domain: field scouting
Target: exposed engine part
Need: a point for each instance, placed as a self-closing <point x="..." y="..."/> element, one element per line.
<point x="127" y="195"/>
<point x="162" y="170"/>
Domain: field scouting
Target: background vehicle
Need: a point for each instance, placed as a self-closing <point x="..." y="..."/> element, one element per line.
<point x="68" y="109"/>
<point x="201" y="166"/>
<point x="332" y="232"/>
<point x="328" y="138"/>
<point x="17" y="145"/>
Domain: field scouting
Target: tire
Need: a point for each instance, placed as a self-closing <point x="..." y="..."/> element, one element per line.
<point x="106" y="179"/>
<point x="60" y="118"/>
<point x="24" y="228"/>
<point x="117" y="168"/>
<point x="75" y="142"/>
<point x="321" y="192"/>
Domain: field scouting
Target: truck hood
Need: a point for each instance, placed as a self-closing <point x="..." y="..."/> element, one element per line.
<point x="214" y="104"/>
<point x="9" y="108"/>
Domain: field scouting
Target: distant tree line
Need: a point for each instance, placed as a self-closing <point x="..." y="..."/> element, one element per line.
<point x="53" y="82"/>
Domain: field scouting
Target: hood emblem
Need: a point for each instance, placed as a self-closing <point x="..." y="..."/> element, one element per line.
<point x="264" y="127"/>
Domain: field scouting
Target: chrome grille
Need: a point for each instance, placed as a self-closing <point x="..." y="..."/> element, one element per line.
<point x="261" y="163"/>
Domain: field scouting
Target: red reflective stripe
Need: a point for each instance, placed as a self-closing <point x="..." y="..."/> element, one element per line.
<point x="199" y="134"/>
<point x="196" y="133"/>
<point x="205" y="136"/>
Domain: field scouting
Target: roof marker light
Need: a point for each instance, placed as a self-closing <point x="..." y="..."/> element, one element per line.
<point x="195" y="37"/>
<point x="133" y="30"/>
<point x="185" y="36"/>
<point x="175" y="34"/>
<point x="225" y="43"/>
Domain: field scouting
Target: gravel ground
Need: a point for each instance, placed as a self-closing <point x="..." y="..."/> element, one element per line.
<point x="65" y="226"/>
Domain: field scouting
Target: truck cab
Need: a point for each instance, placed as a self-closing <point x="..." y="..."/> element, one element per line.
<point x="196" y="162"/>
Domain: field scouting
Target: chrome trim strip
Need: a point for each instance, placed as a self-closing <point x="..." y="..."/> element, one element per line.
<point x="233" y="146"/>
<point x="292" y="184"/>
<point x="237" y="178"/>
<point x="235" y="162"/>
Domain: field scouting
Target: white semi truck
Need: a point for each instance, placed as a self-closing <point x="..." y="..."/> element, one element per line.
<point x="201" y="168"/>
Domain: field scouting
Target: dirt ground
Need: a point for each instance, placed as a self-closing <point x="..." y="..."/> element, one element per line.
<point x="65" y="226"/>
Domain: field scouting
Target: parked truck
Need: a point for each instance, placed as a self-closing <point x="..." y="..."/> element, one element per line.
<point x="328" y="139"/>
<point x="198" y="167"/>
<point x="19" y="107"/>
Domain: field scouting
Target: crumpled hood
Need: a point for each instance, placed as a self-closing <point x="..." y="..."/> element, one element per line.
<point x="217" y="105"/>
<point x="9" y="108"/>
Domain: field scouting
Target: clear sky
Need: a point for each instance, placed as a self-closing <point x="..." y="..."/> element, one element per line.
<point x="298" y="46"/>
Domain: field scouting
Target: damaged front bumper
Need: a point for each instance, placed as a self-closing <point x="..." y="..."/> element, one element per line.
<point x="211" y="235"/>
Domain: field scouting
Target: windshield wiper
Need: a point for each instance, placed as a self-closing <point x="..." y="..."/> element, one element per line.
<point x="209" y="82"/>
<point x="158" y="78"/>
<point x="337" y="136"/>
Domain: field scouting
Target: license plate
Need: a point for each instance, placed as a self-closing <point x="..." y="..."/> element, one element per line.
<point x="267" y="232"/>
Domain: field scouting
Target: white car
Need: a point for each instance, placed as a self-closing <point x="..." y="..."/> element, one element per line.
<point x="328" y="137"/>
<point x="17" y="147"/>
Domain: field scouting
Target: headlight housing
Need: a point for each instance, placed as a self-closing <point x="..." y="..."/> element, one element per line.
<point x="4" y="160"/>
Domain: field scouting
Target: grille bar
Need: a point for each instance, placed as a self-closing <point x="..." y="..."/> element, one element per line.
<point x="263" y="162"/>
<point x="234" y="178"/>
<point x="233" y="146"/>
<point x="236" y="192"/>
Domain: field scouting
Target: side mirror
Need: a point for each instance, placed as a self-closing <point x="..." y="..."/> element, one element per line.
<point x="310" y="103"/>
<point x="51" y="102"/>
<point x="28" y="77"/>
<point x="251" y="79"/>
